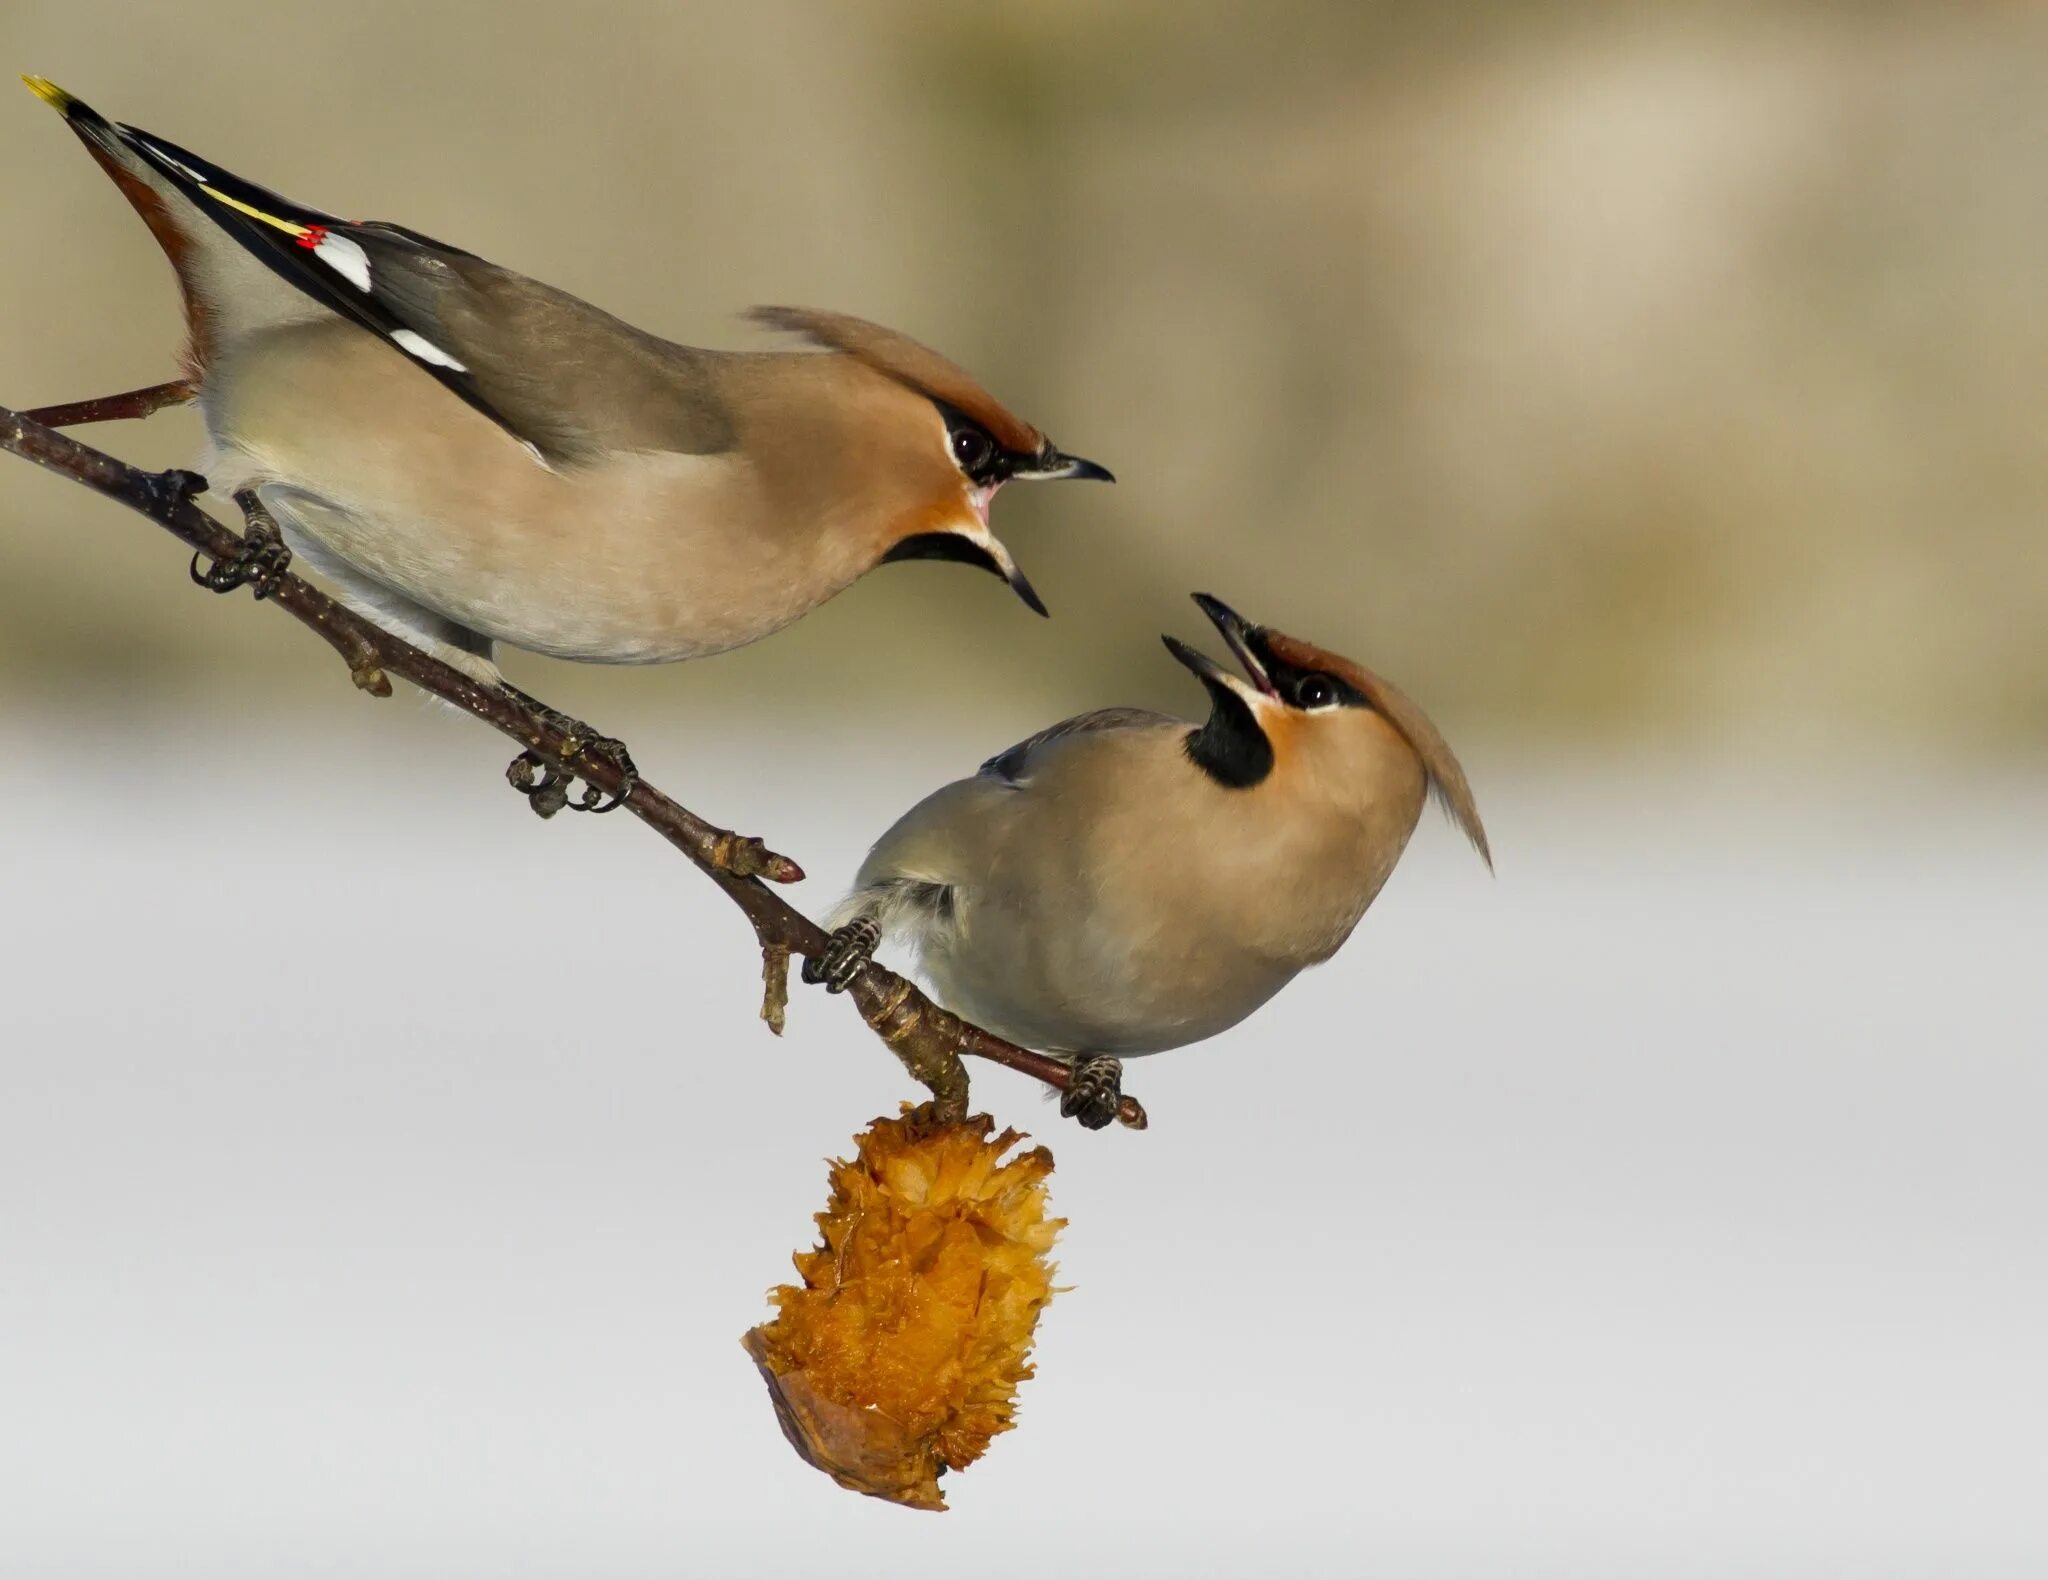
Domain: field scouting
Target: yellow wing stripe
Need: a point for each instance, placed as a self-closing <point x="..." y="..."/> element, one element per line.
<point x="284" y="225"/>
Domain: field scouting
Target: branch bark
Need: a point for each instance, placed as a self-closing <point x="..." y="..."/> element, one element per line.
<point x="925" y="1037"/>
<point x="114" y="408"/>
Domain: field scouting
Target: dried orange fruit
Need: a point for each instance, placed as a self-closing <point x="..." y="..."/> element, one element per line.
<point x="899" y="1356"/>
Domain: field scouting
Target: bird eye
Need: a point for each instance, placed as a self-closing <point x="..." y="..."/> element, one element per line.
<point x="973" y="449"/>
<point x="1315" y="691"/>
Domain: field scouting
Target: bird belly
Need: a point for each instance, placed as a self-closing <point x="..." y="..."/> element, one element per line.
<point x="571" y="602"/>
<point x="1054" y="978"/>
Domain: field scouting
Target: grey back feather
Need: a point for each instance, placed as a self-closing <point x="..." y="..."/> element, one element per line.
<point x="1014" y="765"/>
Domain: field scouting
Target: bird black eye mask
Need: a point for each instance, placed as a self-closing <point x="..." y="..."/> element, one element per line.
<point x="975" y="451"/>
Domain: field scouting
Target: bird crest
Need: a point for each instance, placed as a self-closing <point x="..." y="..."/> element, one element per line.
<point x="907" y="362"/>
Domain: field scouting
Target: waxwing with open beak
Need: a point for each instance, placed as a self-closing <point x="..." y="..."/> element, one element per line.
<point x="471" y="457"/>
<point x="1127" y="882"/>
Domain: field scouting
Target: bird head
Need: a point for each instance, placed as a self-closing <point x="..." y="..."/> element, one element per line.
<point x="945" y="451"/>
<point x="1314" y="722"/>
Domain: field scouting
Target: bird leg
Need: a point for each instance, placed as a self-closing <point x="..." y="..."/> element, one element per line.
<point x="847" y="954"/>
<point x="258" y="563"/>
<point x="547" y="785"/>
<point x="1095" y="1091"/>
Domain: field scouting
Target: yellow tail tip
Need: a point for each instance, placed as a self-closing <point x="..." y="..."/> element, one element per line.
<point x="48" y="91"/>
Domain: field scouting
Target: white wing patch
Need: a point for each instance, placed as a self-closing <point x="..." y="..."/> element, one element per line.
<point x="346" y="259"/>
<point x="341" y="254"/>
<point x="425" y="349"/>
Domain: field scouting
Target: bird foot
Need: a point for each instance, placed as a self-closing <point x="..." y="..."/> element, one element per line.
<point x="1095" y="1092"/>
<point x="260" y="563"/>
<point x="849" y="952"/>
<point x="548" y="785"/>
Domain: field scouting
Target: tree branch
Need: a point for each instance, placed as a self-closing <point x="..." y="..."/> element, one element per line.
<point x="925" y="1037"/>
<point x="114" y="408"/>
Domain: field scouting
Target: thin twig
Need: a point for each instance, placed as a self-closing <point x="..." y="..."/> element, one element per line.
<point x="927" y="1038"/>
<point x="774" y="986"/>
<point x="114" y="408"/>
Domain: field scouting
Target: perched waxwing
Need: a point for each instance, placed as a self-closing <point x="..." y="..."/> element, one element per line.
<point x="1127" y="882"/>
<point x="473" y="457"/>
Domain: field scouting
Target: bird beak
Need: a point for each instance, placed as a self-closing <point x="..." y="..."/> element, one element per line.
<point x="970" y="547"/>
<point x="1059" y="467"/>
<point x="1207" y="670"/>
<point x="1244" y="639"/>
<point x="1021" y="586"/>
<point x="997" y="558"/>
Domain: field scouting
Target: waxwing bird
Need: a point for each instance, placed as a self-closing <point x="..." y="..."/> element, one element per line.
<point x="1126" y="882"/>
<point x="472" y="457"/>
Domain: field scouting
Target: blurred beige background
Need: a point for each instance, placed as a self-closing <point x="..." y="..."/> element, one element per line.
<point x="1650" y="372"/>
<point x="1655" y="391"/>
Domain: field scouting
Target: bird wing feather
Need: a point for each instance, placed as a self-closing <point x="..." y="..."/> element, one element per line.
<point x="561" y="376"/>
<point x="1014" y="766"/>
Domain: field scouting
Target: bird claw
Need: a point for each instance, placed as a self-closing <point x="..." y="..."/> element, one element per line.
<point x="548" y="786"/>
<point x="847" y="953"/>
<point x="543" y="784"/>
<point x="1095" y="1092"/>
<point x="260" y="562"/>
<point x="602" y="749"/>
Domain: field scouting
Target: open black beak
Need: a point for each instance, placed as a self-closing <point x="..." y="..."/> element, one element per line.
<point x="1232" y="747"/>
<point x="1207" y="670"/>
<point x="1242" y="636"/>
<point x="1021" y="586"/>
<point x="990" y="556"/>
<point x="1059" y="467"/>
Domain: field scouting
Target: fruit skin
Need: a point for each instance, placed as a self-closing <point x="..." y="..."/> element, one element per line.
<point x="899" y="1356"/>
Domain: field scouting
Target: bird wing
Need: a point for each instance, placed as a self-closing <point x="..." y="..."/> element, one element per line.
<point x="911" y="880"/>
<point x="561" y="376"/>
<point x="1014" y="766"/>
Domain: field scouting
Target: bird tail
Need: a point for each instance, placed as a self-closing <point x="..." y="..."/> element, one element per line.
<point x="226" y="289"/>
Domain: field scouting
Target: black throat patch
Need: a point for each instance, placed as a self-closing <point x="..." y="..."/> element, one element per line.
<point x="942" y="546"/>
<point x="1231" y="748"/>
